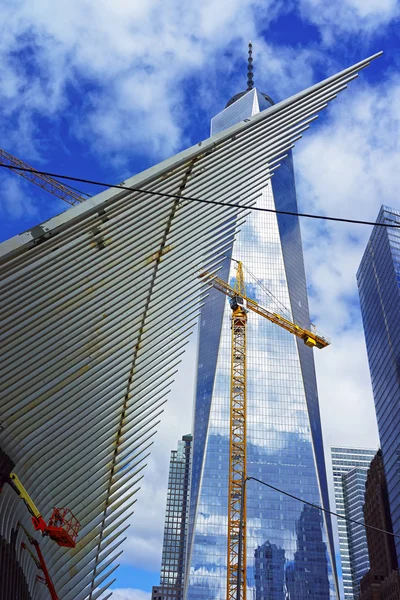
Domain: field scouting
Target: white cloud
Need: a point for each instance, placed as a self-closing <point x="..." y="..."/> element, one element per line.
<point x="135" y="55"/>
<point x="117" y="73"/>
<point x="129" y="594"/>
<point x="14" y="200"/>
<point x="127" y="79"/>
<point x="349" y="16"/>
<point x="347" y="167"/>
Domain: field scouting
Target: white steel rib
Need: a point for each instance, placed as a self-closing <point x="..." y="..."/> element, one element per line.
<point x="97" y="305"/>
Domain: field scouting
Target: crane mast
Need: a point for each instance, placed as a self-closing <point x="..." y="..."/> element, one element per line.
<point x="237" y="445"/>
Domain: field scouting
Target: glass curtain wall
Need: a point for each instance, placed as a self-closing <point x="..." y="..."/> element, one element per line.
<point x="284" y="440"/>
<point x="175" y="527"/>
<point x="378" y="281"/>
<point x="350" y="466"/>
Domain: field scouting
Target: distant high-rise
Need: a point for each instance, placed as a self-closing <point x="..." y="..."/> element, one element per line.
<point x="382" y="581"/>
<point x="350" y="466"/>
<point x="175" y="527"/>
<point x="378" y="279"/>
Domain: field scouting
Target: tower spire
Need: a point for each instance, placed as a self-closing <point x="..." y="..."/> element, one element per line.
<point x="250" y="82"/>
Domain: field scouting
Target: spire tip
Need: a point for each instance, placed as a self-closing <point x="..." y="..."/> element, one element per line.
<point x="250" y="82"/>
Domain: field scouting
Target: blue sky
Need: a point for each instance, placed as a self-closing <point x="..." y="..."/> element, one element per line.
<point x="104" y="96"/>
<point x="104" y="90"/>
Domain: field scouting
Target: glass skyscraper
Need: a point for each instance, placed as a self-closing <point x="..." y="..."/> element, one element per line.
<point x="175" y="527"/>
<point x="378" y="279"/>
<point x="289" y="548"/>
<point x="350" y="466"/>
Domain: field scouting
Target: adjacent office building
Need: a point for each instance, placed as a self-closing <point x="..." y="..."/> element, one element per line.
<point x="350" y="466"/>
<point x="378" y="279"/>
<point x="175" y="528"/>
<point x="382" y="581"/>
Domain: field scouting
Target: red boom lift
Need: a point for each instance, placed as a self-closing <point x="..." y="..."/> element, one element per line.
<point x="62" y="528"/>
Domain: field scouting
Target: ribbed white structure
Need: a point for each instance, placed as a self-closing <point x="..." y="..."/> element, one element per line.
<point x="97" y="305"/>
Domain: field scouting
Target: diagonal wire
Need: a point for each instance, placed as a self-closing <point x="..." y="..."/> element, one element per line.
<point x="330" y="512"/>
<point x="191" y="198"/>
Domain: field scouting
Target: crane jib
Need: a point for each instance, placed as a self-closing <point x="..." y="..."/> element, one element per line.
<point x="310" y="338"/>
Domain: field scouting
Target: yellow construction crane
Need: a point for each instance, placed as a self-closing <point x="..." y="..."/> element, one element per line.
<point x="47" y="183"/>
<point x="240" y="305"/>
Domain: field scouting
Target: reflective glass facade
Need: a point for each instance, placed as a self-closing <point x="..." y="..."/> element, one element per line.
<point x="175" y="527"/>
<point x="248" y="105"/>
<point x="288" y="547"/>
<point x="350" y="466"/>
<point x="378" y="281"/>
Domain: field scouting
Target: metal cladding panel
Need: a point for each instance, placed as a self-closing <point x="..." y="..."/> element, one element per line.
<point x="97" y="304"/>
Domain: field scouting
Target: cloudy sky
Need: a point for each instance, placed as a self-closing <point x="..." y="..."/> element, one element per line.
<point x="105" y="89"/>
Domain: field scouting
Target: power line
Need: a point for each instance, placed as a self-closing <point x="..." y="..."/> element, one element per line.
<point x="323" y="509"/>
<point x="192" y="199"/>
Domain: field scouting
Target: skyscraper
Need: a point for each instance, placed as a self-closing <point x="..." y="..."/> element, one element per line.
<point x="350" y="466"/>
<point x="382" y="581"/>
<point x="378" y="279"/>
<point x="284" y="438"/>
<point x="175" y="527"/>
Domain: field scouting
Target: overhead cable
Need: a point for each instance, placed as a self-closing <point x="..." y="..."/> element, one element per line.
<point x="330" y="512"/>
<point x="192" y="199"/>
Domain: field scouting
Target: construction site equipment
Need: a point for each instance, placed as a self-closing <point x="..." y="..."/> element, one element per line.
<point x="311" y="338"/>
<point x="40" y="563"/>
<point x="240" y="305"/>
<point x="62" y="527"/>
<point x="47" y="183"/>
